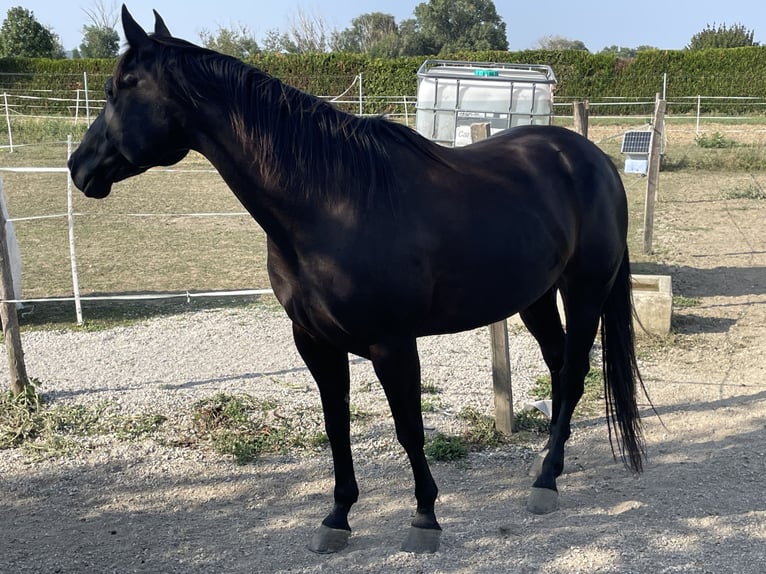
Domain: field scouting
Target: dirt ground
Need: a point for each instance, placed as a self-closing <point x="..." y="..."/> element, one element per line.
<point x="700" y="505"/>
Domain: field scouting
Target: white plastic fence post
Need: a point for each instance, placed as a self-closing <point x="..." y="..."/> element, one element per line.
<point x="699" y="107"/>
<point x="361" y="95"/>
<point x="87" y="98"/>
<point x="72" y="254"/>
<point x="8" y="121"/>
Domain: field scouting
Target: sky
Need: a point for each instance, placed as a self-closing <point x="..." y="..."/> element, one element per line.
<point x="664" y="24"/>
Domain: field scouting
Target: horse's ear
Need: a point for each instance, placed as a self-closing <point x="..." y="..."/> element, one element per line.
<point x="160" y="29"/>
<point x="134" y="33"/>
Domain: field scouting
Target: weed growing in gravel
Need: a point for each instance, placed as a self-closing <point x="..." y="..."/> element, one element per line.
<point x="245" y="427"/>
<point x="683" y="302"/>
<point x="481" y="431"/>
<point x="444" y="447"/>
<point x="46" y="431"/>
<point x="19" y="416"/>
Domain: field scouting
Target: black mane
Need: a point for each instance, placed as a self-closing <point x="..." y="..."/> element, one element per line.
<point x="295" y="138"/>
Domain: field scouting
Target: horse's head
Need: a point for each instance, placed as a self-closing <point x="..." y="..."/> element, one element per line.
<point x="138" y="127"/>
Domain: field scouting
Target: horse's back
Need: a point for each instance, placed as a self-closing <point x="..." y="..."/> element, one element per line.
<point x="514" y="215"/>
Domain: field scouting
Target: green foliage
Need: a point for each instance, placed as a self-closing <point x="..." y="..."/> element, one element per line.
<point x="683" y="302"/>
<point x="449" y="25"/>
<point x="714" y="141"/>
<point x="375" y="34"/>
<point x="19" y="416"/>
<point x="99" y="42"/>
<point x="750" y="190"/>
<point x="722" y="36"/>
<point x="21" y="35"/>
<point x="580" y="75"/>
<point x="531" y="421"/>
<point x="444" y="447"/>
<point x="45" y="431"/>
<point x="561" y="43"/>
<point x="244" y="427"/>
<point x="481" y="431"/>
<point x="237" y="42"/>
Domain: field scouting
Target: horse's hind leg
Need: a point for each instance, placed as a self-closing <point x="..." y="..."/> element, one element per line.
<point x="544" y="323"/>
<point x="329" y="366"/>
<point x="398" y="367"/>
<point x="583" y="311"/>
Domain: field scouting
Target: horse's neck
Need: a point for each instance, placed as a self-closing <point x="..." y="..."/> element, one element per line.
<point x="251" y="175"/>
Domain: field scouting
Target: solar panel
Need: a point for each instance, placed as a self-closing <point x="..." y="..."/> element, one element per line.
<point x="636" y="142"/>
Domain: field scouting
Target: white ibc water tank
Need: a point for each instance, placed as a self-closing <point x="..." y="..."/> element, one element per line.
<point x="452" y="95"/>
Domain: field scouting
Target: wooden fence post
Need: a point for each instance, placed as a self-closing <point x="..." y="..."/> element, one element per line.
<point x="580" y="112"/>
<point x="498" y="336"/>
<point x="653" y="175"/>
<point x="16" y="367"/>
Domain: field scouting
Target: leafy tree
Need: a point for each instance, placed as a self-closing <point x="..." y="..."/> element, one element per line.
<point x="451" y="25"/>
<point x="100" y="38"/>
<point x="306" y="34"/>
<point x="22" y="35"/>
<point x="723" y="36"/>
<point x="625" y="53"/>
<point x="412" y="42"/>
<point x="560" y="43"/>
<point x="99" y="42"/>
<point x="237" y="42"/>
<point x="375" y="34"/>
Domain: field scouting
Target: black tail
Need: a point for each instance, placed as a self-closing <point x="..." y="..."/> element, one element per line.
<point x="621" y="373"/>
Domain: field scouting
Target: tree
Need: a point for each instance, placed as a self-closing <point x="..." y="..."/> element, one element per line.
<point x="625" y="53"/>
<point x="451" y="25"/>
<point x="374" y="33"/>
<point x="560" y="43"/>
<point x="100" y="38"/>
<point x="723" y="36"/>
<point x="306" y="34"/>
<point x="238" y="42"/>
<point x="22" y="35"/>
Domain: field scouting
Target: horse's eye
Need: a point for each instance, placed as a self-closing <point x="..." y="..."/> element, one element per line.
<point x="109" y="89"/>
<point x="128" y="81"/>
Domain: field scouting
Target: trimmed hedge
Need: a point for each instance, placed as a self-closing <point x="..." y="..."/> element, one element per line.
<point x="714" y="72"/>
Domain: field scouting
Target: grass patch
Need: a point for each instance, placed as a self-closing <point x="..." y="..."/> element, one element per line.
<point x="684" y="302"/>
<point x="746" y="191"/>
<point x="245" y="427"/>
<point x="531" y="421"/>
<point x="713" y="141"/>
<point x="45" y="431"/>
<point x="742" y="157"/>
<point x="480" y="434"/>
<point x="445" y="448"/>
<point x="481" y="431"/>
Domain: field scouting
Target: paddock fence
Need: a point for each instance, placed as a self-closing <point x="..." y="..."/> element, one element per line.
<point x="74" y="249"/>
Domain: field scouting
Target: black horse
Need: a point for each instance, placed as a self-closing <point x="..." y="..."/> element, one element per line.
<point x="377" y="236"/>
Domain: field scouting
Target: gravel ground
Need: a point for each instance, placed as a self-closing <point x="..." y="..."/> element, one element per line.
<point x="146" y="507"/>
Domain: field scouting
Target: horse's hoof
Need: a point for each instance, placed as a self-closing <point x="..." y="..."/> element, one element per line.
<point x="542" y="500"/>
<point x="537" y="466"/>
<point x="422" y="540"/>
<point x="328" y="540"/>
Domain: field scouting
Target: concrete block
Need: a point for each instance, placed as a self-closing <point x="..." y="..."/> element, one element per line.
<point x="653" y="303"/>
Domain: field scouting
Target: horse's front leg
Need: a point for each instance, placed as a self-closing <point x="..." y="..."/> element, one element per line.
<point x="329" y="367"/>
<point x="398" y="368"/>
